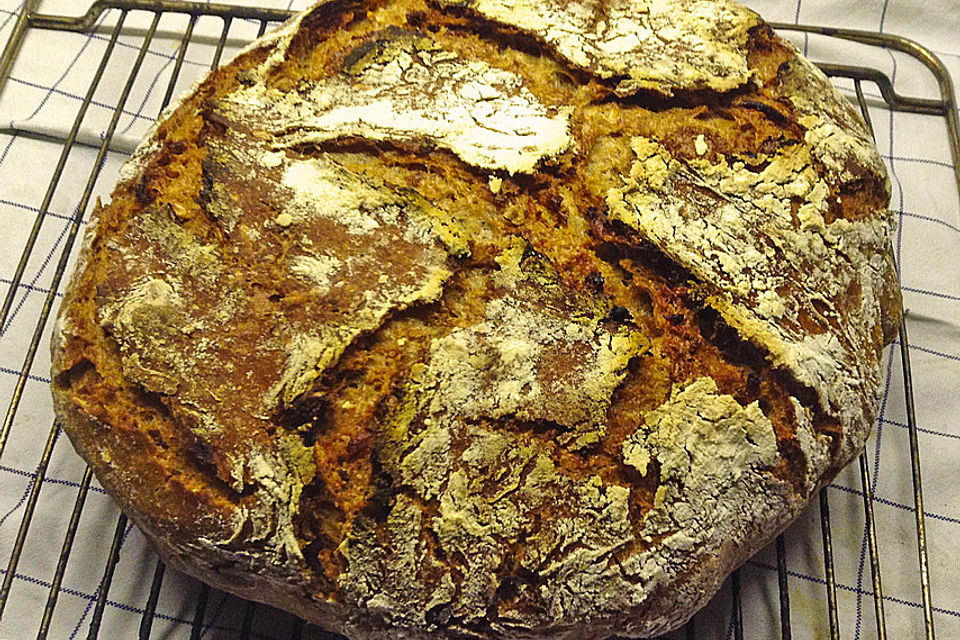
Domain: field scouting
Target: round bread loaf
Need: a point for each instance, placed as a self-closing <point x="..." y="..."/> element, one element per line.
<point x="479" y="318"/>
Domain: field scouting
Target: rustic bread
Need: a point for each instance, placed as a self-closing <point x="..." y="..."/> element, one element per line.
<point x="469" y="318"/>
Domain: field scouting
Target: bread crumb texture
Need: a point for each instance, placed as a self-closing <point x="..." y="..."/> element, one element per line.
<point x="480" y="318"/>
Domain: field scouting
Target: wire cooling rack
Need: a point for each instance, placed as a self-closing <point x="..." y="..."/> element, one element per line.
<point x="738" y="593"/>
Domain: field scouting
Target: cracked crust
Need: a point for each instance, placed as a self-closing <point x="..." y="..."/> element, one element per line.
<point x="658" y="46"/>
<point x="405" y="88"/>
<point x="462" y="318"/>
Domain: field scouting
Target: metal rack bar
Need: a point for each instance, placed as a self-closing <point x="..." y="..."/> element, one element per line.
<point x="864" y="467"/>
<point x="35" y="486"/>
<point x="944" y="107"/>
<point x="896" y="101"/>
<point x="196" y="629"/>
<point x="178" y="65"/>
<point x="873" y="548"/>
<point x="13" y="46"/>
<point x="112" y="558"/>
<point x="917" y="485"/>
<point x="68" y="539"/>
<point x="227" y="21"/>
<point x="783" y="588"/>
<point x="831" y="581"/>
<point x="146" y="621"/>
<point x="736" y="609"/>
<point x="88" y="19"/>
<point x="247" y="624"/>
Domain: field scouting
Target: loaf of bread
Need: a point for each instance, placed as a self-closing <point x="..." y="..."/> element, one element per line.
<point x="484" y="318"/>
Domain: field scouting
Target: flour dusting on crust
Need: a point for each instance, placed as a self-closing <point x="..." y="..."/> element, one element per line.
<point x="754" y="231"/>
<point x="645" y="44"/>
<point x="407" y="89"/>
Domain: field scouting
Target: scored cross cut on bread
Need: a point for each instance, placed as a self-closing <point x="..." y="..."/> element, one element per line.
<point x="476" y="319"/>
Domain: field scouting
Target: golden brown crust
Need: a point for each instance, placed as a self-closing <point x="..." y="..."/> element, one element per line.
<point x="446" y="319"/>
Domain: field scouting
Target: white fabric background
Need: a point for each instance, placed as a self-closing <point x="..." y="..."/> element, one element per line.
<point x="42" y="97"/>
